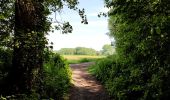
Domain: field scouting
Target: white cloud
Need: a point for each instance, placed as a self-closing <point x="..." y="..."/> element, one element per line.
<point x="98" y="23"/>
<point x="95" y="14"/>
<point x="104" y="10"/>
<point x="92" y="14"/>
<point x="71" y="41"/>
<point x="91" y="23"/>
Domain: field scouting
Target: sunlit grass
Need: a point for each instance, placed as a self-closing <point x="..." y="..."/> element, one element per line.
<point x="78" y="57"/>
<point x="73" y="59"/>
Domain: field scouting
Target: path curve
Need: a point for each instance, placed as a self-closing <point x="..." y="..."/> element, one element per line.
<point x="85" y="86"/>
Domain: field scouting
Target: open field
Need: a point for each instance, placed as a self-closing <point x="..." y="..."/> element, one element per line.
<point x="72" y="59"/>
<point x="78" y="57"/>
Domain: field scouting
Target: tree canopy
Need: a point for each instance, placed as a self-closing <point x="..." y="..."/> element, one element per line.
<point x="23" y="26"/>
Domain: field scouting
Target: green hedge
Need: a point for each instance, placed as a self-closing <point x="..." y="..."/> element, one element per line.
<point x="57" y="77"/>
<point x="127" y="81"/>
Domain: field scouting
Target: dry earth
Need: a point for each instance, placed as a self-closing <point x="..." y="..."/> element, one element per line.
<point x="85" y="86"/>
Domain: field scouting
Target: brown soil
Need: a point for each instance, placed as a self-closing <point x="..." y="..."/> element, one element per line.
<point x="85" y="86"/>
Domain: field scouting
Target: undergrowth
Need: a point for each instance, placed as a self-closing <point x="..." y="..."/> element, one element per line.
<point x="127" y="81"/>
<point x="55" y="78"/>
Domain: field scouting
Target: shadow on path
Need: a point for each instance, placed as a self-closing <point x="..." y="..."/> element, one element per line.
<point x="85" y="86"/>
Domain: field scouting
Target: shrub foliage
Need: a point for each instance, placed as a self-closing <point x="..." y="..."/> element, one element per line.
<point x="141" y="68"/>
<point x="57" y="77"/>
<point x="53" y="82"/>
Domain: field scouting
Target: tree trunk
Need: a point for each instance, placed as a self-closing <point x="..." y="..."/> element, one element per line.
<point x="28" y="45"/>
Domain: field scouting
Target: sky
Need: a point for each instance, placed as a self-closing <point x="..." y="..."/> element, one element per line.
<point x="93" y="35"/>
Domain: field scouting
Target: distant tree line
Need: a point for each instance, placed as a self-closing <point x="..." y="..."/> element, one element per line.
<point x="106" y="50"/>
<point x="77" y="51"/>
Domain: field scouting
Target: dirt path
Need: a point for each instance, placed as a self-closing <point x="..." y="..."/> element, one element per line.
<point x="85" y="87"/>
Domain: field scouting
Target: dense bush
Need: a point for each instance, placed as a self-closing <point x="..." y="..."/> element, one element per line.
<point x="57" y="77"/>
<point x="5" y="64"/>
<point x="141" y="69"/>
<point x="129" y="81"/>
<point x="115" y="75"/>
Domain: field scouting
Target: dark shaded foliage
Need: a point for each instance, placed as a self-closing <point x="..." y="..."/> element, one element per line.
<point x="5" y="66"/>
<point x="55" y="78"/>
<point x="23" y="26"/>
